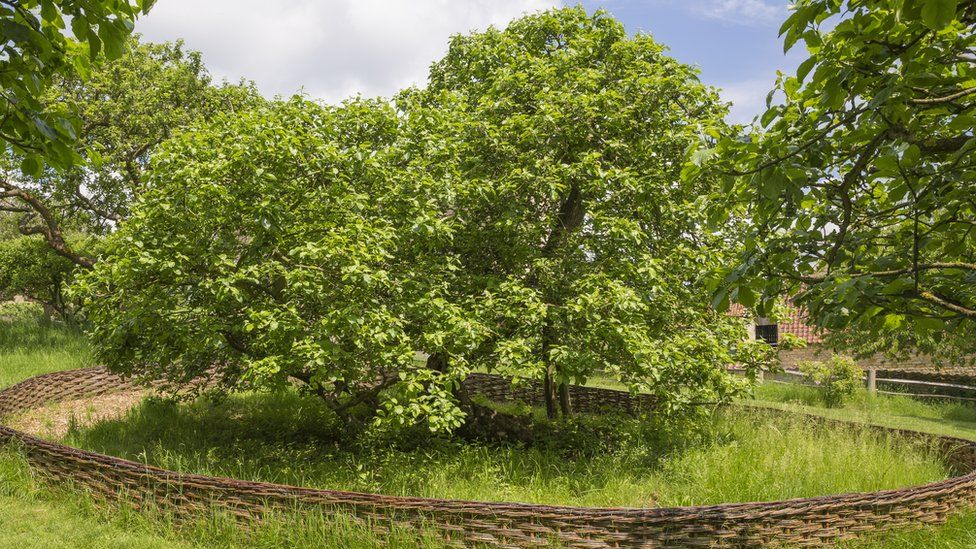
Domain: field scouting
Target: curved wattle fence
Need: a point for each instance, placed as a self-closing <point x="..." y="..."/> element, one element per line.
<point x="809" y="521"/>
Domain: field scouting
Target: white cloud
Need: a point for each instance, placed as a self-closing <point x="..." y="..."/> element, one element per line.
<point x="746" y="12"/>
<point x="331" y="48"/>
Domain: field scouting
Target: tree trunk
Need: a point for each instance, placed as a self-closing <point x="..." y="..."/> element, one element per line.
<point x="437" y="362"/>
<point x="570" y="217"/>
<point x="549" y="388"/>
<point x="48" y="225"/>
<point x="549" y="382"/>
<point x="565" y="403"/>
<point x="50" y="311"/>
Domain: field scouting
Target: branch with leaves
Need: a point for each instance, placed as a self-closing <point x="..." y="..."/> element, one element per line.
<point x="858" y="180"/>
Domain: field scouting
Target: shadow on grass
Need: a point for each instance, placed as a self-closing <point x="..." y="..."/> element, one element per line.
<point x="38" y="334"/>
<point x="291" y="439"/>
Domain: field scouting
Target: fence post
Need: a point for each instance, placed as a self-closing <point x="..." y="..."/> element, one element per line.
<point x="872" y="380"/>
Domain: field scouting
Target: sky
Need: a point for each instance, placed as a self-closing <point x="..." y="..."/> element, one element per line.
<point x="334" y="49"/>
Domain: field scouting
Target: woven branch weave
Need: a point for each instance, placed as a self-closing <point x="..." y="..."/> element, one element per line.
<point x="799" y="522"/>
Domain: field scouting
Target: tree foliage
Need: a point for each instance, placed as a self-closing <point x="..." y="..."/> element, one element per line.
<point x="522" y="214"/>
<point x="839" y="378"/>
<point x="126" y="107"/>
<point x="293" y="241"/>
<point x="859" y="184"/>
<point x="572" y="221"/>
<point x="38" y="49"/>
<point x="31" y="270"/>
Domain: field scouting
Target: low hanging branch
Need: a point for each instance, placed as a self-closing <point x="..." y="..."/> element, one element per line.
<point x="946" y="304"/>
<point x="49" y="226"/>
<point x="891" y="242"/>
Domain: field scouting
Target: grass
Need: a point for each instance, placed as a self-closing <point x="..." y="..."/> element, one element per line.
<point x="289" y="439"/>
<point x="901" y="412"/>
<point x="31" y="345"/>
<point x="620" y="462"/>
<point x="944" y="418"/>
<point x="35" y="514"/>
<point x="959" y="531"/>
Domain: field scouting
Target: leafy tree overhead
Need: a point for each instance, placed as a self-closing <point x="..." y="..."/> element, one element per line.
<point x="37" y="49"/>
<point x="523" y="213"/>
<point x="859" y="184"/>
<point x="127" y="107"/>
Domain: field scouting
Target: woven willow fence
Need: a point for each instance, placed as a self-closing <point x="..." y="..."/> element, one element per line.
<point x="805" y="522"/>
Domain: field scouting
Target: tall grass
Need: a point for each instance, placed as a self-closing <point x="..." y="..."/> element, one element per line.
<point x="35" y="514"/>
<point x="290" y="439"/>
<point x="958" y="532"/>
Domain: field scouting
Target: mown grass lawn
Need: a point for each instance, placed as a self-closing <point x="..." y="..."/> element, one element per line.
<point x="32" y="348"/>
<point x="750" y="459"/>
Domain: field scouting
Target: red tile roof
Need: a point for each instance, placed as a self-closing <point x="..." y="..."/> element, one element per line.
<point x="795" y="323"/>
<point x="799" y="325"/>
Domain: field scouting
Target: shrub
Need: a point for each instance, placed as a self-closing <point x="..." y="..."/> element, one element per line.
<point x="839" y="377"/>
<point x="20" y="311"/>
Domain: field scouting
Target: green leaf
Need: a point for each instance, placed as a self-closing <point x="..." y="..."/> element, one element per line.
<point x="80" y="28"/>
<point x="113" y="40"/>
<point x="720" y="301"/>
<point x="49" y="11"/>
<point x="805" y="67"/>
<point x="937" y="14"/>
<point x="773" y="183"/>
<point x="45" y="129"/>
<point x="745" y="296"/>
<point x="94" y="45"/>
<point x="893" y="321"/>
<point x="31" y="165"/>
<point x="931" y="324"/>
<point x="11" y="30"/>
<point x="911" y="156"/>
<point x="769" y="116"/>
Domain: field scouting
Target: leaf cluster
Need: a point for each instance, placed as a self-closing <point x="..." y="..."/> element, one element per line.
<point x="839" y="378"/>
<point x="857" y="182"/>
<point x="37" y="48"/>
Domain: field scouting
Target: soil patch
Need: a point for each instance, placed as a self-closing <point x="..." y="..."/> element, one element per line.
<point x="53" y="421"/>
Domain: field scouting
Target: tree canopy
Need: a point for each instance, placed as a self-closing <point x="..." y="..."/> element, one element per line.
<point x="858" y="181"/>
<point x="31" y="270"/>
<point x="523" y="213"/>
<point x="37" y="49"/>
<point x="571" y="218"/>
<point x="306" y="247"/>
<point x="126" y="107"/>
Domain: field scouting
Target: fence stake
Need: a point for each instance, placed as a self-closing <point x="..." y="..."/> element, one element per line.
<point x="872" y="380"/>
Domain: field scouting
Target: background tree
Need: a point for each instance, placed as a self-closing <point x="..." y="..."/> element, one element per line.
<point x="31" y="270"/>
<point x="36" y="50"/>
<point x="128" y="106"/>
<point x="859" y="185"/>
